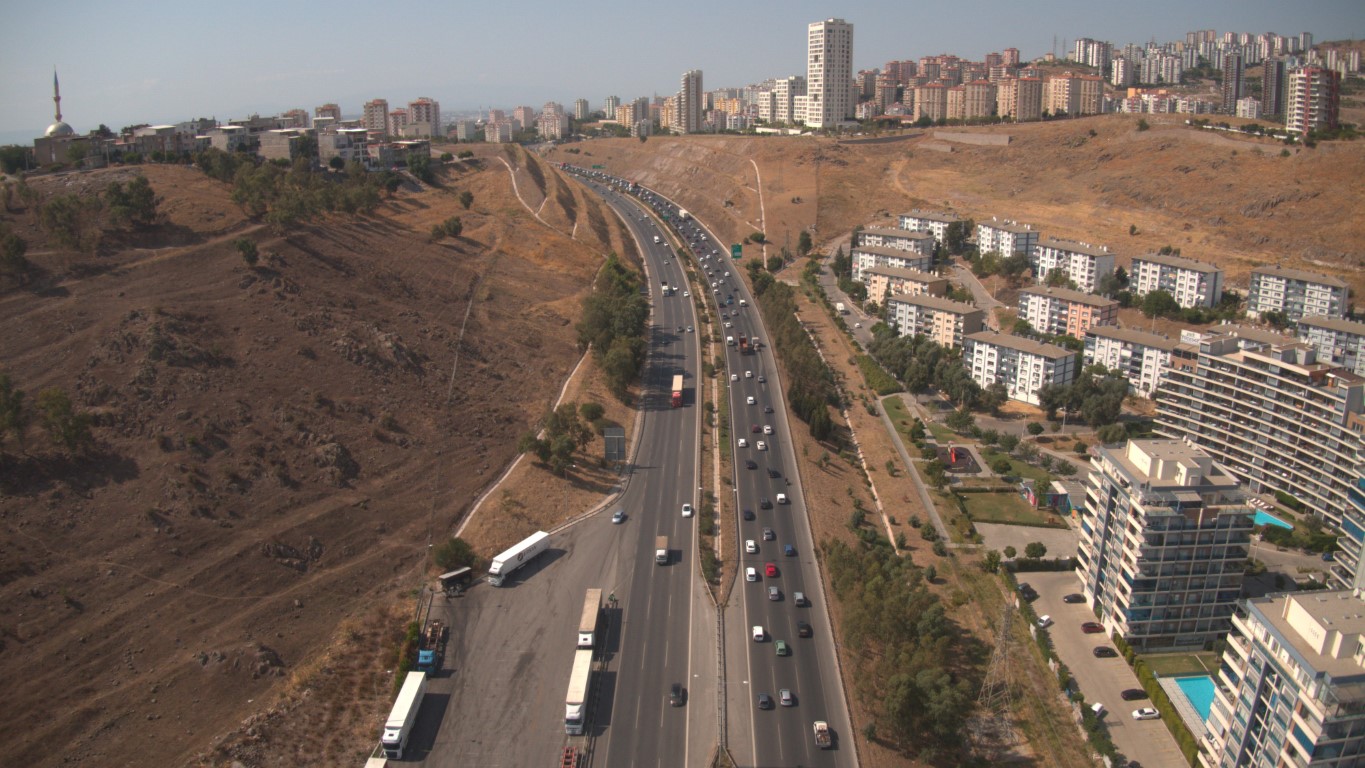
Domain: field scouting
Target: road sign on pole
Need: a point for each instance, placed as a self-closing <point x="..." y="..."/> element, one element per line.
<point x="736" y="251"/>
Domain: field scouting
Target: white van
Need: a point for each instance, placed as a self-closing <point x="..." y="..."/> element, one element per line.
<point x="657" y="240"/>
<point x="729" y="341"/>
<point x="759" y="634"/>
<point x="781" y="498"/>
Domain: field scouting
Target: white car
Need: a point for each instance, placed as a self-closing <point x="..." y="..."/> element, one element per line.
<point x="781" y="498"/>
<point x="767" y="429"/>
<point x="734" y="377"/>
<point x="689" y="329"/>
<point x="748" y="374"/>
<point x="728" y="324"/>
<point x="750" y="574"/>
<point x="686" y="294"/>
<point x="687" y="510"/>
<point x="760" y="445"/>
<point x="751" y="400"/>
<point x="1146" y="713"/>
<point x="1044" y="621"/>
<point x="743" y="443"/>
<point x="751" y="546"/>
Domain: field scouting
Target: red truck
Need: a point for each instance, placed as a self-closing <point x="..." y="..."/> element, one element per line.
<point x="677" y="391"/>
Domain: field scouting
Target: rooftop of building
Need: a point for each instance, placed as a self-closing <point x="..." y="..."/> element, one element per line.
<point x="1339" y="324"/>
<point x="1131" y="336"/>
<point x="1074" y="246"/>
<point x="1299" y="274"/>
<point x="1066" y="294"/>
<point x="1320" y="629"/>
<point x="943" y="216"/>
<point x="905" y="273"/>
<point x="1006" y="225"/>
<point x="934" y="302"/>
<point x="1175" y="474"/>
<point x="1179" y="262"/>
<point x="1021" y="344"/>
<point x="896" y="232"/>
<point x="884" y="250"/>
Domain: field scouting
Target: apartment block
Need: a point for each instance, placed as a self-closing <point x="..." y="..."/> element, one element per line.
<point x="1140" y="357"/>
<point x="1020" y="98"/>
<point x="1265" y="407"/>
<point x="868" y="256"/>
<point x="1296" y="293"/>
<point x="1022" y="365"/>
<point x="784" y="94"/>
<point x="1164" y="537"/>
<point x="1082" y="263"/>
<point x="931" y="101"/>
<point x="349" y="144"/>
<point x="332" y="112"/>
<point x="885" y="281"/>
<point x="934" y="222"/>
<point x="1339" y="341"/>
<point x="1191" y="283"/>
<point x="830" y="97"/>
<point x="523" y="118"/>
<point x="900" y="239"/>
<point x="1005" y="237"/>
<point x="424" y="113"/>
<point x="375" y="116"/>
<point x="497" y="132"/>
<point x="1056" y="311"/>
<point x="1312" y="99"/>
<point x="978" y="99"/>
<point x="1291" y="688"/>
<point x="942" y="321"/>
<point x="687" y="119"/>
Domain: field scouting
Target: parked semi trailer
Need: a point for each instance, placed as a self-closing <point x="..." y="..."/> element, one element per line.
<point x="519" y="555"/>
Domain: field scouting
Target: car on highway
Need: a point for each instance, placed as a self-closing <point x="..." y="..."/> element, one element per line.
<point x="799" y="598"/>
<point x="1133" y="694"/>
<point x="1104" y="652"/>
<point x="857" y="325"/>
<point x="1074" y="597"/>
<point x="774" y="594"/>
<point x="677" y="695"/>
<point x="734" y="377"/>
<point x="767" y="429"/>
<point x="750" y="464"/>
<point x="754" y="428"/>
<point x="762" y="380"/>
<point x="689" y="329"/>
<point x="1146" y="713"/>
<point x="781" y="498"/>
<point x="786" y="698"/>
<point x="788" y="550"/>
<point x="687" y="510"/>
<point x="750" y="574"/>
<point x="751" y="546"/>
<point x="768" y="534"/>
<point x="769" y="569"/>
<point x="767" y="409"/>
<point x="743" y="442"/>
<point x="763" y="503"/>
<point x="748" y="514"/>
<point x="759" y="634"/>
<point x="1092" y="627"/>
<point x="760" y="445"/>
<point x="765" y="701"/>
<point x="748" y="374"/>
<point x="619" y="516"/>
<point x="686" y="294"/>
<point x="774" y="474"/>
<point x="679" y="329"/>
<point x="750" y="400"/>
<point x="782" y="649"/>
<point x="1044" y="621"/>
<point x="803" y="628"/>
<point x="728" y="324"/>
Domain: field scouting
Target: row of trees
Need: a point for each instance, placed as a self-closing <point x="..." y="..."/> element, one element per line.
<point x="285" y="196"/>
<point x="907" y="651"/>
<point x="922" y="365"/>
<point x="1096" y="395"/>
<point x="613" y="325"/>
<point x="812" y="390"/>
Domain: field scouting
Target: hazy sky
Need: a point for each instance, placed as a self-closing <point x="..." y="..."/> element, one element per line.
<point x="156" y="61"/>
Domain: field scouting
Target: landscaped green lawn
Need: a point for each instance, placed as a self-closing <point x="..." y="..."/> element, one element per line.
<point x="1008" y="508"/>
<point x="1179" y="664"/>
<point x="1019" y="468"/>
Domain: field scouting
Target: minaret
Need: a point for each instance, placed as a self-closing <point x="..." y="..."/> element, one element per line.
<point x="57" y="94"/>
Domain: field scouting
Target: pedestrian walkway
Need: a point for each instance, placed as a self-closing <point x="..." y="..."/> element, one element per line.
<point x="1182" y="705"/>
<point x="910" y="467"/>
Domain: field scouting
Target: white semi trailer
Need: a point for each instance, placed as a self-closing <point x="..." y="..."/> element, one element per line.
<point x="522" y="553"/>
<point x="404" y="714"/>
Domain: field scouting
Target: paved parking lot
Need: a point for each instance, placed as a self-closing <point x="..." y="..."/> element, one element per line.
<point x="1100" y="680"/>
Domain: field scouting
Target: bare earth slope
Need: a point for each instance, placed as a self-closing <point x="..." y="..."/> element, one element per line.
<point x="277" y="446"/>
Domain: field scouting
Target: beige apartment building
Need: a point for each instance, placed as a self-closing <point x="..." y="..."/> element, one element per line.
<point x="940" y="320"/>
<point x="1058" y="311"/>
<point x="868" y="256"/>
<point x="375" y="116"/>
<point x="884" y="281"/>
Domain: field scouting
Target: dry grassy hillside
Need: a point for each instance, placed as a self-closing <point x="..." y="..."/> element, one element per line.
<point x="1232" y="201"/>
<point x="276" y="446"/>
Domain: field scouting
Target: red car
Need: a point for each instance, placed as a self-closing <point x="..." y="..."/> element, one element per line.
<point x="769" y="570"/>
<point x="1091" y="627"/>
<point x="756" y="430"/>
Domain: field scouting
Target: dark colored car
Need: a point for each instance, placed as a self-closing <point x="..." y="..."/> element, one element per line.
<point x="1074" y="598"/>
<point x="750" y="464"/>
<point x="774" y="474"/>
<point x="756" y="429"/>
<point x="765" y="701"/>
<point x="1105" y="652"/>
<point x="763" y="503"/>
<point x="767" y="409"/>
<point x="1092" y="627"/>
<point x="748" y="514"/>
<point x="803" y="628"/>
<point x="1133" y="694"/>
<point x="1027" y="591"/>
<point x="677" y="695"/>
<point x="788" y="550"/>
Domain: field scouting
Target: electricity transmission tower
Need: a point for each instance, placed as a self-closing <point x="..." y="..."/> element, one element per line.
<point x="991" y="728"/>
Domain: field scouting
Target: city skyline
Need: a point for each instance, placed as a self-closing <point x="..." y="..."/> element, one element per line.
<point x="179" y="66"/>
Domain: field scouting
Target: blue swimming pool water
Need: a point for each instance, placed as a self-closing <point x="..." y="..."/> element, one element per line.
<point x="1265" y="518"/>
<point x="1199" y="690"/>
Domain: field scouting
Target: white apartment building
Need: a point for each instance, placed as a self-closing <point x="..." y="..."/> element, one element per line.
<point x="1082" y="263"/>
<point x="1191" y="283"/>
<point x="866" y="257"/>
<point x="374" y="116"/>
<point x="1060" y="311"/>
<point x="349" y="144"/>
<point x="934" y="222"/>
<point x="1138" y="356"/>
<point x="885" y="281"/>
<point x="902" y="239"/>
<point x="941" y="320"/>
<point x="690" y="95"/>
<point x="553" y="122"/>
<point x="1296" y="293"/>
<point x="1268" y="410"/>
<point x="1005" y="237"/>
<point x="829" y="97"/>
<point x="499" y="132"/>
<point x="1339" y="341"/>
<point x="1022" y="365"/>
<point x="1291" y="688"/>
<point x="581" y="109"/>
<point x="1164" y="536"/>
<point x="784" y="94"/>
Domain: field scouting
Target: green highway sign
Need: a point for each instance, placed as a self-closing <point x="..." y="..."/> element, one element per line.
<point x="736" y="251"/>
<point x="599" y="166"/>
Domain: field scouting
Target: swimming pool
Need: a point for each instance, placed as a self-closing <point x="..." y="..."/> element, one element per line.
<point x="1265" y="518"/>
<point x="1199" y="690"/>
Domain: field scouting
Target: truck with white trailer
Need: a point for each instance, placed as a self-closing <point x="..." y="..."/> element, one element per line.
<point x="576" y="703"/>
<point x="403" y="715"/>
<point x="587" y="624"/>
<point x="519" y="555"/>
<point x="661" y="550"/>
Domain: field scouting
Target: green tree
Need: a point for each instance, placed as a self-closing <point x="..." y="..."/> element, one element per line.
<point x="1034" y="428"/>
<point x="1008" y="442"/>
<point x="1159" y="304"/>
<point x="68" y="428"/>
<point x="132" y="204"/>
<point x="70" y="220"/>
<point x="336" y="163"/>
<point x="14" y="414"/>
<point x="12" y="250"/>
<point x="247" y="248"/>
<point x="1002" y="466"/>
<point x="591" y="411"/>
<point x="15" y="158"/>
<point x="960" y="421"/>
<point x="454" y="553"/>
<point x="774" y="263"/>
<point x="1010" y="552"/>
<point x="419" y="165"/>
<point x="1111" y="433"/>
<point x="1035" y="550"/>
<point x="447" y="157"/>
<point x="466" y="199"/>
<point x="465" y="154"/>
<point x="1142" y="124"/>
<point x="452" y="226"/>
<point x="803" y="243"/>
<point x="990" y="563"/>
<point x="76" y="152"/>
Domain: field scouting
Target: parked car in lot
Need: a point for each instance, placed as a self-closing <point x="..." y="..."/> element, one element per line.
<point x="1044" y="621"/>
<point x="1104" y="652"/>
<point x="1146" y="713"/>
<point x="1074" y="598"/>
<point x="1133" y="694"/>
<point x="1092" y="627"/>
<point x="1027" y="591"/>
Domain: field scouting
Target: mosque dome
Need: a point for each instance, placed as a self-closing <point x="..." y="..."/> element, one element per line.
<point x="60" y="128"/>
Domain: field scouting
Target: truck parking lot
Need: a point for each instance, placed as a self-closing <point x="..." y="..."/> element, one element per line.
<point x="1100" y="680"/>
